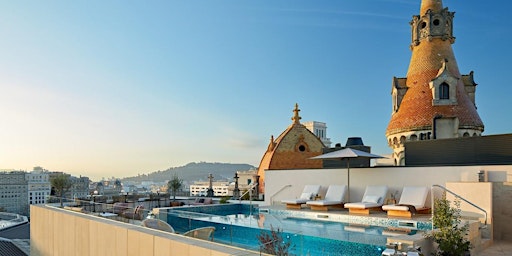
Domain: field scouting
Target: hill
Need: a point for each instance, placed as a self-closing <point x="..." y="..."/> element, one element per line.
<point x="194" y="172"/>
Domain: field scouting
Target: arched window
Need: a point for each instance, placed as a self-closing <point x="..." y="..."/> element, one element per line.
<point x="444" y="91"/>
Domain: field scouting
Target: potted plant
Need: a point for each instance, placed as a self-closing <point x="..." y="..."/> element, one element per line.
<point x="449" y="233"/>
<point x="272" y="242"/>
<point x="174" y="185"/>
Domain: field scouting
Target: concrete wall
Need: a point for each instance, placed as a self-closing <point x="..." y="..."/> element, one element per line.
<point x="287" y="184"/>
<point x="502" y="211"/>
<point x="55" y="231"/>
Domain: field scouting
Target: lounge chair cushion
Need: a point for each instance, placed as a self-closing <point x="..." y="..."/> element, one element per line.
<point x="371" y="199"/>
<point x="324" y="202"/>
<point x="362" y="205"/>
<point x="334" y="196"/>
<point x="415" y="196"/>
<point x="306" y="196"/>
<point x="309" y="189"/>
<point x="295" y="201"/>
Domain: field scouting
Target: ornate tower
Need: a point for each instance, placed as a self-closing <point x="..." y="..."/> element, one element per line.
<point x="434" y="101"/>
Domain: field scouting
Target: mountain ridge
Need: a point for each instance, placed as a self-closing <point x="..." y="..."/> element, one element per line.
<point x="194" y="171"/>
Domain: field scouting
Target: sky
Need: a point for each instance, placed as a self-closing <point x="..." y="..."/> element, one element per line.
<point x="121" y="88"/>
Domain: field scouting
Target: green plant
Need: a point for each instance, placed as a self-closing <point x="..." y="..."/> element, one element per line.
<point x="224" y="200"/>
<point x="174" y="185"/>
<point x="272" y="242"/>
<point x="61" y="184"/>
<point x="449" y="233"/>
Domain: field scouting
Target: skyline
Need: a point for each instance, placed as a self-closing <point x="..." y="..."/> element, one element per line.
<point x="103" y="89"/>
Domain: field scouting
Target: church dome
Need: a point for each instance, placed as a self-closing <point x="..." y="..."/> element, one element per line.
<point x="292" y="149"/>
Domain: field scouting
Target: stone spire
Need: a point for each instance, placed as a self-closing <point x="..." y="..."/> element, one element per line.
<point x="434" y="5"/>
<point x="296" y="118"/>
<point x="434" y="100"/>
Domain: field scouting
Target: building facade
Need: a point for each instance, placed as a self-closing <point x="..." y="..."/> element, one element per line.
<point x="320" y="130"/>
<point x="434" y="100"/>
<point x="14" y="192"/>
<point x="220" y="188"/>
<point x="39" y="187"/>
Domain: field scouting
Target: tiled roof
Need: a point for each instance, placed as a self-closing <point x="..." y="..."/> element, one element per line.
<point x="16" y="232"/>
<point x="7" y="248"/>
<point x="416" y="111"/>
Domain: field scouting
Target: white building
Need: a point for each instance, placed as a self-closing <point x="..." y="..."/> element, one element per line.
<point x="220" y="188"/>
<point x="39" y="186"/>
<point x="320" y="130"/>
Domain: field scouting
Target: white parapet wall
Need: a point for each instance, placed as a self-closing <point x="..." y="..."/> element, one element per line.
<point x="56" y="231"/>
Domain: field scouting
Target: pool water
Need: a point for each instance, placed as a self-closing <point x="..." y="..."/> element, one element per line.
<point x="241" y="225"/>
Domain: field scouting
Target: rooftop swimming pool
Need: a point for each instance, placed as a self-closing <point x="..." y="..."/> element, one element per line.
<point x="313" y="233"/>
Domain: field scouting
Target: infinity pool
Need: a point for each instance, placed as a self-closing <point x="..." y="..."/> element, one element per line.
<point x="240" y="225"/>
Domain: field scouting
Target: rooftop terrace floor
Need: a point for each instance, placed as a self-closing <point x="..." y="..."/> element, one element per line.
<point x="498" y="248"/>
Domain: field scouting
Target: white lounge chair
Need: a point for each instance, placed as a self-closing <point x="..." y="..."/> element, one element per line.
<point x="412" y="201"/>
<point x="333" y="198"/>
<point x="373" y="199"/>
<point x="309" y="192"/>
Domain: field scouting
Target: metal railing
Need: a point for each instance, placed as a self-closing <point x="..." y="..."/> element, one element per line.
<point x="279" y="191"/>
<point x="459" y="197"/>
<point x="251" y="187"/>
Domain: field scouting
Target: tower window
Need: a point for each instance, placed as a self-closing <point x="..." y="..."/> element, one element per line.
<point x="444" y="91"/>
<point x="436" y="22"/>
<point x="302" y="148"/>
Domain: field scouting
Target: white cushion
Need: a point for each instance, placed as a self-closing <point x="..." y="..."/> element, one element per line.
<point x="371" y="199"/>
<point x="361" y="205"/>
<point x="306" y="195"/>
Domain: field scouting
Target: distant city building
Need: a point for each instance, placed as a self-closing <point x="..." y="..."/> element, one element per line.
<point x="79" y="187"/>
<point x="39" y="187"/>
<point x="320" y="130"/>
<point x="14" y="192"/>
<point x="434" y="101"/>
<point x="220" y="188"/>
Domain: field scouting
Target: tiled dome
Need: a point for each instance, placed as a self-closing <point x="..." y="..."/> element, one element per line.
<point x="292" y="149"/>
<point x="416" y="110"/>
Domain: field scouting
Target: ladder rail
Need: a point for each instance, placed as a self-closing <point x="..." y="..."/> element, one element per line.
<point x="459" y="197"/>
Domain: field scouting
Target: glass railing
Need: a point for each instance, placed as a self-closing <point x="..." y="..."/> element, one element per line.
<point x="251" y="231"/>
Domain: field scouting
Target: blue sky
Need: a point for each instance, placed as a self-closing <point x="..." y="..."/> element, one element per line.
<point x="118" y="88"/>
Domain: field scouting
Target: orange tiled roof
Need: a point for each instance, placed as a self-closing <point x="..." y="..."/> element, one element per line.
<point x="416" y="111"/>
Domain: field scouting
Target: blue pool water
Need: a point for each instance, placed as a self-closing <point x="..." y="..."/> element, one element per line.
<point x="240" y="225"/>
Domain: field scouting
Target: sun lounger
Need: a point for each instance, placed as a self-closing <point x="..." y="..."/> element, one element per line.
<point x="333" y="198"/>
<point x="412" y="201"/>
<point x="373" y="199"/>
<point x="309" y="192"/>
